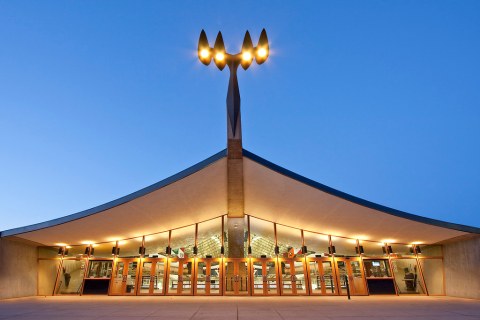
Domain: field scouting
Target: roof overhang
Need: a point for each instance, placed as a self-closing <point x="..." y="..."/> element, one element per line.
<point x="272" y="193"/>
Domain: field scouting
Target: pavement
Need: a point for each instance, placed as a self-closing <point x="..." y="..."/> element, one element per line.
<point x="233" y="308"/>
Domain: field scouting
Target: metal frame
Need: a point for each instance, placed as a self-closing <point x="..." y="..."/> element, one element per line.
<point x="208" y="266"/>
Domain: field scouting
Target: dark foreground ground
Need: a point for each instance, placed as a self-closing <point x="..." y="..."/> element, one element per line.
<point x="257" y="308"/>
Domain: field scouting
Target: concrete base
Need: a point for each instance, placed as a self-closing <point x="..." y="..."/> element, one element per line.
<point x="462" y="268"/>
<point x="18" y="269"/>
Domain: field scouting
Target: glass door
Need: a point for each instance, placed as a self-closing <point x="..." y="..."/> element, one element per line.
<point x="70" y="277"/>
<point x="265" y="278"/>
<point x="293" y="277"/>
<point x="322" y="276"/>
<point x="350" y="269"/>
<point x="152" y="277"/>
<point x="208" y="276"/>
<point x="236" y="276"/>
<point x="180" y="277"/>
<point x="124" y="277"/>
<point x="407" y="276"/>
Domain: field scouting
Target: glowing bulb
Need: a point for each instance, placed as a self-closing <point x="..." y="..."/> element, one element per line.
<point x="262" y="52"/>
<point x="219" y="56"/>
<point x="204" y="53"/>
<point x="247" y="56"/>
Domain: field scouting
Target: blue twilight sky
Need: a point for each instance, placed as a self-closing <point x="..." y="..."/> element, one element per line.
<point x="379" y="99"/>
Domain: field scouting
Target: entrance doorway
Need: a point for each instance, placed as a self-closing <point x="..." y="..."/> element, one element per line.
<point x="124" y="279"/>
<point x="322" y="276"/>
<point x="265" y="277"/>
<point x="293" y="277"/>
<point x="179" y="277"/>
<point x="152" y="277"/>
<point x="236" y="276"/>
<point x="208" y="279"/>
<point x="353" y="269"/>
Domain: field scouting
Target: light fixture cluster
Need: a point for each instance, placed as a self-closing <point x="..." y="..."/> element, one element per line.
<point x="221" y="58"/>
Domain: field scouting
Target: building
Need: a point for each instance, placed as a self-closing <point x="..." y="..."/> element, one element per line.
<point x="237" y="224"/>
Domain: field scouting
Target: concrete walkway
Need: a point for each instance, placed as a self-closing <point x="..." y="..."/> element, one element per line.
<point x="226" y="308"/>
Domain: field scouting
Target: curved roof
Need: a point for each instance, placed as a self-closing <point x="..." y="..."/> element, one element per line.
<point x="271" y="192"/>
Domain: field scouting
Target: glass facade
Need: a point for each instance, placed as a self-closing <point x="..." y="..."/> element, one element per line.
<point x="317" y="244"/>
<point x="129" y="248"/>
<point x="183" y="241"/>
<point x="189" y="260"/>
<point x="156" y="245"/>
<point x="377" y="268"/>
<point x="262" y="238"/>
<point x="70" y="277"/>
<point x="209" y="238"/>
<point x="407" y="276"/>
<point x="344" y="247"/>
<point x="289" y="241"/>
<point x="100" y="269"/>
<point x="372" y="249"/>
<point x="103" y="250"/>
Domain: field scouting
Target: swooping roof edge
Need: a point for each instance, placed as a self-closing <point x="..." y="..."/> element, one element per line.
<point x="356" y="200"/>
<point x="132" y="196"/>
<point x="202" y="164"/>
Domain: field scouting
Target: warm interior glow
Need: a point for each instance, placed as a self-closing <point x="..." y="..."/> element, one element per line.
<point x="204" y="53"/>
<point x="220" y="56"/>
<point x="61" y="244"/>
<point x="262" y="52"/>
<point x="388" y="240"/>
<point x="87" y="242"/>
<point x="247" y="56"/>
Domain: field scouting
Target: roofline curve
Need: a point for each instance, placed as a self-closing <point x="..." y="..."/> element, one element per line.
<point x="109" y="205"/>
<point x="356" y="200"/>
<point x="202" y="164"/>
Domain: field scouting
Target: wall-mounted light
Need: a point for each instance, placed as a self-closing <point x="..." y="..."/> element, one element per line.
<point x="115" y="251"/>
<point x="168" y="250"/>
<point x="263" y="256"/>
<point x="61" y="251"/>
<point x="389" y="249"/>
<point x="411" y="249"/>
<point x="277" y="250"/>
<point x="87" y="250"/>
<point x="222" y="250"/>
<point x="195" y="250"/>
<point x="331" y="250"/>
<point x="359" y="250"/>
<point x="304" y="249"/>
<point x="418" y="250"/>
<point x="249" y="250"/>
<point x="141" y="251"/>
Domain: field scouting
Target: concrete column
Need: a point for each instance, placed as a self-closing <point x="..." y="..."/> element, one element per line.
<point x="236" y="235"/>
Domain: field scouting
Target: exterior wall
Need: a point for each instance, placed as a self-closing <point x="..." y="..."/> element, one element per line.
<point x="18" y="269"/>
<point x="462" y="265"/>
